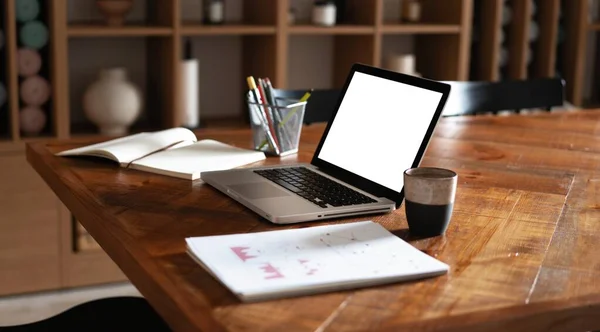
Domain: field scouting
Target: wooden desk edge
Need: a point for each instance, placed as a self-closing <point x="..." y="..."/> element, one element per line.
<point x="127" y="260"/>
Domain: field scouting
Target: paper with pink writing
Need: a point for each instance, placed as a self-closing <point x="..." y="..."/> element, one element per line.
<point x="313" y="257"/>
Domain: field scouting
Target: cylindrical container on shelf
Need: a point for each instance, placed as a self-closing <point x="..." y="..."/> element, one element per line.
<point x="324" y="13"/>
<point x="34" y="91"/>
<point x="411" y="11"/>
<point x="27" y="10"/>
<point x="214" y="11"/>
<point x="112" y="102"/>
<point x="189" y="87"/>
<point x="34" y="34"/>
<point x="29" y="62"/>
<point x="32" y="120"/>
<point x="402" y="63"/>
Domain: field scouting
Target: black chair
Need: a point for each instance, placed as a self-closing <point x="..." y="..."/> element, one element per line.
<point x="470" y="98"/>
<point x="110" y="314"/>
<point x="320" y="106"/>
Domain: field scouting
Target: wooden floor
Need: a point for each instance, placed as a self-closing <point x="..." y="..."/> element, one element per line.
<point x="22" y="309"/>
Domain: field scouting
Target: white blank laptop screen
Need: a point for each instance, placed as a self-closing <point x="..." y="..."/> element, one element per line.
<point x="379" y="128"/>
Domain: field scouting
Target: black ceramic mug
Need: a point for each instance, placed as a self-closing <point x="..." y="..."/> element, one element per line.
<point x="429" y="199"/>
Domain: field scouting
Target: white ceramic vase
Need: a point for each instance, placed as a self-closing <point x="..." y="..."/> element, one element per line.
<point x="112" y="102"/>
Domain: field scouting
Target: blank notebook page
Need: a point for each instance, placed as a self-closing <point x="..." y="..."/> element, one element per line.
<point x="202" y="156"/>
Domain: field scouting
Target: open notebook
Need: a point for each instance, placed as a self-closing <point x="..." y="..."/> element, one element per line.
<point x="173" y="152"/>
<point x="268" y="265"/>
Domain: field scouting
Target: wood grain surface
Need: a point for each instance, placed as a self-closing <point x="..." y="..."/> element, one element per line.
<point x="522" y="245"/>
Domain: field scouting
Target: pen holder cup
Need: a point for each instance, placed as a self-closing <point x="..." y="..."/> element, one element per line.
<point x="276" y="129"/>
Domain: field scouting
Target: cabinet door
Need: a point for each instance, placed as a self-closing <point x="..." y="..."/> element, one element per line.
<point x="29" y="238"/>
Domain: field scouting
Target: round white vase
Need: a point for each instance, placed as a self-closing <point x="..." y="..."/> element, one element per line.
<point x="112" y="102"/>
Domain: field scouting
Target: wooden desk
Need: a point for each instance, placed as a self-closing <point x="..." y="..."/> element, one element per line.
<point x="523" y="244"/>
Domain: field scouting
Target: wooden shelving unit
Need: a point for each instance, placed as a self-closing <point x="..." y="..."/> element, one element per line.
<point x="266" y="37"/>
<point x="486" y="52"/>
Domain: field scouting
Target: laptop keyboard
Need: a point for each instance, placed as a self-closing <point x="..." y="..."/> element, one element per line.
<point x="314" y="187"/>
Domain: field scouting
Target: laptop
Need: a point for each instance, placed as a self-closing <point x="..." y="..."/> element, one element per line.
<point x="381" y="126"/>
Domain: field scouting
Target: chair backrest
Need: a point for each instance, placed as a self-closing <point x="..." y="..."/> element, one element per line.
<point x="123" y="313"/>
<point x="467" y="98"/>
<point x="320" y="106"/>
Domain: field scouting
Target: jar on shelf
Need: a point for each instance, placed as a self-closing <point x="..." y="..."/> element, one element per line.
<point x="214" y="11"/>
<point x="411" y="11"/>
<point x="402" y="63"/>
<point x="324" y="13"/>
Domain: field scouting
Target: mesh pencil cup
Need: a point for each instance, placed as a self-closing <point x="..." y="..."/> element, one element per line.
<point x="276" y="128"/>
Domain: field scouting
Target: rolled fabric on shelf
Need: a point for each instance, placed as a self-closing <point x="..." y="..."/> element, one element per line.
<point x="34" y="35"/>
<point x="27" y="10"/>
<point x="32" y="120"/>
<point x="35" y="91"/>
<point x="29" y="62"/>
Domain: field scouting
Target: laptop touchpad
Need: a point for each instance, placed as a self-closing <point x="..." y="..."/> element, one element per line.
<point x="258" y="190"/>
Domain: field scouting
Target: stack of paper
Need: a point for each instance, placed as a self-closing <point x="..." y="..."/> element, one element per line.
<point x="267" y="265"/>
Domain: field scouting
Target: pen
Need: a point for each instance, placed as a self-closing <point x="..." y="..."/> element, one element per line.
<point x="283" y="137"/>
<point x="306" y="95"/>
<point x="289" y="115"/>
<point x="267" y="109"/>
<point x="269" y="89"/>
<point x="265" y="123"/>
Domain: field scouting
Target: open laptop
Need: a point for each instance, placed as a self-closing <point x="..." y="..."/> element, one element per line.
<point x="381" y="126"/>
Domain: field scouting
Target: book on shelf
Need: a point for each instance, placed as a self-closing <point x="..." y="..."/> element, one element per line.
<point x="173" y="152"/>
<point x="294" y="262"/>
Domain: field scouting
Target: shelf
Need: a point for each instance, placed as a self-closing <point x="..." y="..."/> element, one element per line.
<point x="334" y="30"/>
<point x="237" y="29"/>
<point x="594" y="26"/>
<point x="223" y="123"/>
<point x="34" y="139"/>
<point x="420" y="29"/>
<point x="97" y="30"/>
